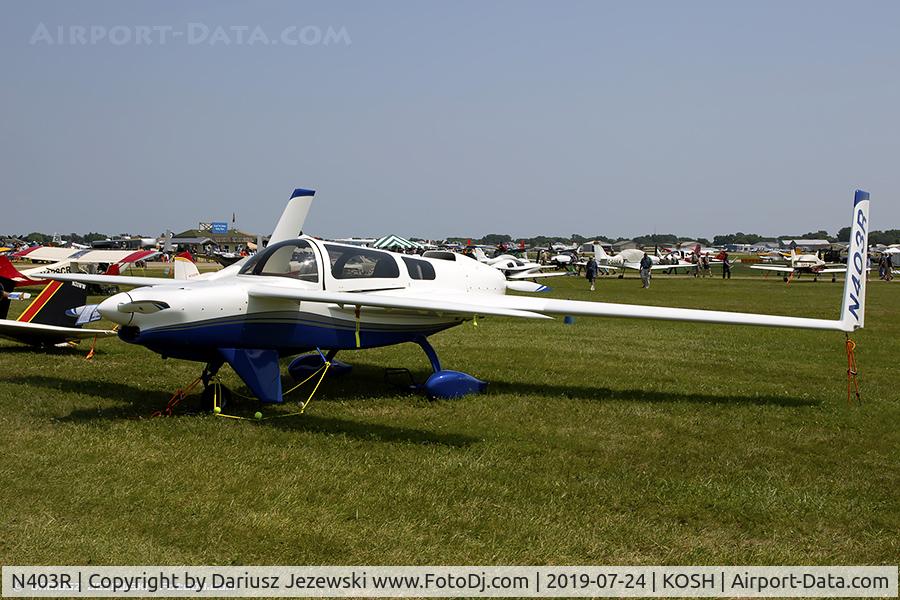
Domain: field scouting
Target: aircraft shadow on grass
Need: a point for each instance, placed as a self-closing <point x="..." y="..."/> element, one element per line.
<point x="48" y="350"/>
<point x="141" y="403"/>
<point x="592" y="393"/>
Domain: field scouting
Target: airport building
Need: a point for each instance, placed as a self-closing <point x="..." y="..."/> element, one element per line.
<point x="209" y="237"/>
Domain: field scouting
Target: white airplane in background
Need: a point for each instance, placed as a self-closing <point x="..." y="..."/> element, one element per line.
<point x="514" y="268"/>
<point x="631" y="259"/>
<point x="302" y="294"/>
<point x="800" y="264"/>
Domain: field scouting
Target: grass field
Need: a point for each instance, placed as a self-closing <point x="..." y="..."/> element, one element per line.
<point x="603" y="442"/>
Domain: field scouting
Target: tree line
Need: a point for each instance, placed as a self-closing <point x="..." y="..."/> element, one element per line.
<point x="887" y="237"/>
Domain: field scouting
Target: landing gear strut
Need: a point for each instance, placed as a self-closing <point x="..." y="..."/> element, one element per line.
<point x="214" y="393"/>
<point x="445" y="383"/>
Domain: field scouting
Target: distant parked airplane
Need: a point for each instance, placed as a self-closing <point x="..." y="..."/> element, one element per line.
<point x="69" y="260"/>
<point x="54" y="317"/>
<point x="800" y="264"/>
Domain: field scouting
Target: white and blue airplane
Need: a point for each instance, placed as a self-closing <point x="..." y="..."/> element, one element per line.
<point x="301" y="294"/>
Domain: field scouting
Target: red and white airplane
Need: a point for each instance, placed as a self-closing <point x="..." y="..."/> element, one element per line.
<point x="800" y="264"/>
<point x="69" y="260"/>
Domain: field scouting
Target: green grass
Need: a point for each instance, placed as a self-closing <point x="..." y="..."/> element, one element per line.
<point x="604" y="442"/>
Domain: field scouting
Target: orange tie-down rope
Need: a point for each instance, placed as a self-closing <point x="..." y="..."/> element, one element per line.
<point x="90" y="353"/>
<point x="852" y="372"/>
<point x="177" y="397"/>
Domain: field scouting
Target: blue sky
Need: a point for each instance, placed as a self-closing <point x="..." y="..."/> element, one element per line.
<point x="453" y="118"/>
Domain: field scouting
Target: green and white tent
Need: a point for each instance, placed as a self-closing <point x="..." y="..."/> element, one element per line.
<point x="393" y="241"/>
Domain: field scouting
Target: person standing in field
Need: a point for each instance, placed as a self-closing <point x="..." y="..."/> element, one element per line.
<point x="590" y="271"/>
<point x="726" y="266"/>
<point x="645" y="265"/>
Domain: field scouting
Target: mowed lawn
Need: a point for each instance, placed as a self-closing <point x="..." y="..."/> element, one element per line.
<point x="602" y="442"/>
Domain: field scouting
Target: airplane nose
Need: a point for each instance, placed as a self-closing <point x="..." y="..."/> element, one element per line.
<point x="109" y="309"/>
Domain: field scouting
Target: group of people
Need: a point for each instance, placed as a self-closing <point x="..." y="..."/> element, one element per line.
<point x="886" y="267"/>
<point x="702" y="268"/>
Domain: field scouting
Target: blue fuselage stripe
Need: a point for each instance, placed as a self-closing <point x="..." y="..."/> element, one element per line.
<point x="199" y="341"/>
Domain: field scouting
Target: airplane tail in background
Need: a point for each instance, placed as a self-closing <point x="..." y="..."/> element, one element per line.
<point x="51" y="306"/>
<point x="290" y="225"/>
<point x="8" y="273"/>
<point x="599" y="252"/>
<point x="185" y="268"/>
<point x="854" y="304"/>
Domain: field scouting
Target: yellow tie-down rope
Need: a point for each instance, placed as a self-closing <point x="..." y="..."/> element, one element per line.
<point x="217" y="394"/>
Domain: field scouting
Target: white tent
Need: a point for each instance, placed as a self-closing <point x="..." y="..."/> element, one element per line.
<point x="394" y="241"/>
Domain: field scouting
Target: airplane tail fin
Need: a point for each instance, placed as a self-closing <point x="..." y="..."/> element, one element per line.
<point x="599" y="252"/>
<point x="51" y="306"/>
<point x="854" y="303"/>
<point x="185" y="268"/>
<point x="8" y="273"/>
<point x="290" y="225"/>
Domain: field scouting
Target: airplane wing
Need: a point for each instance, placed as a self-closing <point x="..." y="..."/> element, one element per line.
<point x="532" y="274"/>
<point x="470" y="304"/>
<point x="112" y="256"/>
<point x="774" y="268"/>
<point x="45" y="253"/>
<point x="113" y="279"/>
<point x="630" y="265"/>
<point x="834" y="270"/>
<point x="459" y="306"/>
<point x="36" y="333"/>
<point x="637" y="266"/>
<point x="530" y="307"/>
